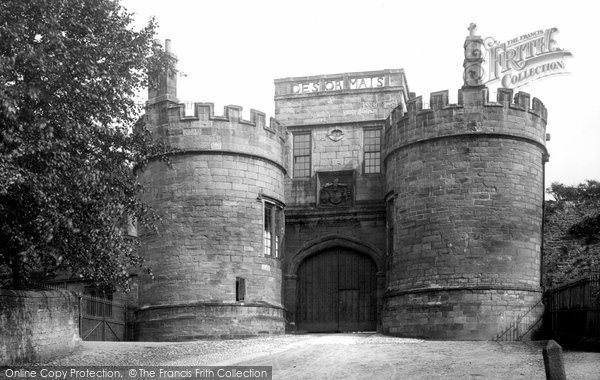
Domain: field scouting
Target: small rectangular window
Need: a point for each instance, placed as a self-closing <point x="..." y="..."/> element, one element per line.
<point x="273" y="229"/>
<point x="302" y="149"/>
<point x="240" y="289"/>
<point x="372" y="149"/>
<point x="268" y="225"/>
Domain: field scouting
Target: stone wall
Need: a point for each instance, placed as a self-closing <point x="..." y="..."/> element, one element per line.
<point x="327" y="156"/>
<point x="361" y="229"/>
<point x="336" y="118"/>
<point x="454" y="314"/>
<point x="212" y="199"/>
<point x="210" y="320"/>
<point x="467" y="183"/>
<point x="339" y="98"/>
<point x="213" y="233"/>
<point x="37" y="325"/>
<point x="336" y="110"/>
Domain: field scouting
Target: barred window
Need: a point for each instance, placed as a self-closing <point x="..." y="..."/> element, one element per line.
<point x="302" y="147"/>
<point x="372" y="147"/>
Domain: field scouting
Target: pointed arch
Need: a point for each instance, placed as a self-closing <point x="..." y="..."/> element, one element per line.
<point x="331" y="241"/>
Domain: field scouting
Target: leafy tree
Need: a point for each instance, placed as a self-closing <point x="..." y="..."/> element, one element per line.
<point x="69" y="73"/>
<point x="571" y="231"/>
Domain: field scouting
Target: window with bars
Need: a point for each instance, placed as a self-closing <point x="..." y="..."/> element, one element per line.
<point x="302" y="147"/>
<point x="272" y="237"/>
<point x="372" y="149"/>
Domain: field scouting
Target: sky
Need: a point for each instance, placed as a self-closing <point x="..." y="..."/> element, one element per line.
<point x="231" y="51"/>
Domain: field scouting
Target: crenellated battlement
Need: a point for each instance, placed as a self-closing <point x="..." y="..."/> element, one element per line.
<point x="504" y="98"/>
<point x="517" y="116"/>
<point x="232" y="114"/>
<point x="204" y="132"/>
<point x="207" y="133"/>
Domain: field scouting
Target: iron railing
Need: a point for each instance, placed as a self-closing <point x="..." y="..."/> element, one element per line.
<point x="523" y="324"/>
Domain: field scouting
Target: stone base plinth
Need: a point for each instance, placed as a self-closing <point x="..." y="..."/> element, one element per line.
<point x="455" y="314"/>
<point x="208" y="321"/>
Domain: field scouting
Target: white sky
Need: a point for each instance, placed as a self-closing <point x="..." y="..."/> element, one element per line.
<point x="232" y="50"/>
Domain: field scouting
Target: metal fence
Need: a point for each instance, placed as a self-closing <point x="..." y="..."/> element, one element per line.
<point x="573" y="309"/>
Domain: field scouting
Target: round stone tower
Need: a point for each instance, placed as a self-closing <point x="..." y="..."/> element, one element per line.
<point x="465" y="189"/>
<point x="215" y="264"/>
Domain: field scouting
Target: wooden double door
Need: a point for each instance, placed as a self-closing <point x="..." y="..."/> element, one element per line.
<point x="337" y="292"/>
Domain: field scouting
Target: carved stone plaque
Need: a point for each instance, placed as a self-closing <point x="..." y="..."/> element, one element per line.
<point x="335" y="189"/>
<point x="336" y="134"/>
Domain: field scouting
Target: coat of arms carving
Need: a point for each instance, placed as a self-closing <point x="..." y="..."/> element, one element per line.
<point x="335" y="193"/>
<point x="335" y="189"/>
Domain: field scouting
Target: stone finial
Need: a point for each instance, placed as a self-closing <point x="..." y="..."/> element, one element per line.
<point x="473" y="69"/>
<point x="472" y="29"/>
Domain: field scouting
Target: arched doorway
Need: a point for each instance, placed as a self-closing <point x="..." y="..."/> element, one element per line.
<point x="337" y="291"/>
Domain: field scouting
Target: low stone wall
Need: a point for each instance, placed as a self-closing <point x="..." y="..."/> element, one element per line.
<point x="37" y="325"/>
<point x="204" y="320"/>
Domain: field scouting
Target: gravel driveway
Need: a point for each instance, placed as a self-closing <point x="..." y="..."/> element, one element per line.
<point x="344" y="356"/>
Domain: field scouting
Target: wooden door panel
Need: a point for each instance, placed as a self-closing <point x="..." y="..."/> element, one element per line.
<point x="318" y="295"/>
<point x="349" y="310"/>
<point x="337" y="292"/>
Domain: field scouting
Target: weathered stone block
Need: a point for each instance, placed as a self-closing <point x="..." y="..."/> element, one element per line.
<point x="553" y="361"/>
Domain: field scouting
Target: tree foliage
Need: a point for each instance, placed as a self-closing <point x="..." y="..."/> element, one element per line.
<point x="69" y="72"/>
<point x="571" y="231"/>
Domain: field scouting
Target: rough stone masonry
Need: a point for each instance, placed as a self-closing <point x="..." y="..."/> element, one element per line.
<point x="355" y="209"/>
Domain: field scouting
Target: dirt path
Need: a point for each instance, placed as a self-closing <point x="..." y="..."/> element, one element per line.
<point x="344" y="356"/>
<point x="360" y="356"/>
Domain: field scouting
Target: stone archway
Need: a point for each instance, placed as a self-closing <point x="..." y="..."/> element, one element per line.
<point x="331" y="241"/>
<point x="334" y="284"/>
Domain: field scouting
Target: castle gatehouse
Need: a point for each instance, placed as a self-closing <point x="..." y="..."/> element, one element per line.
<point x="356" y="208"/>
